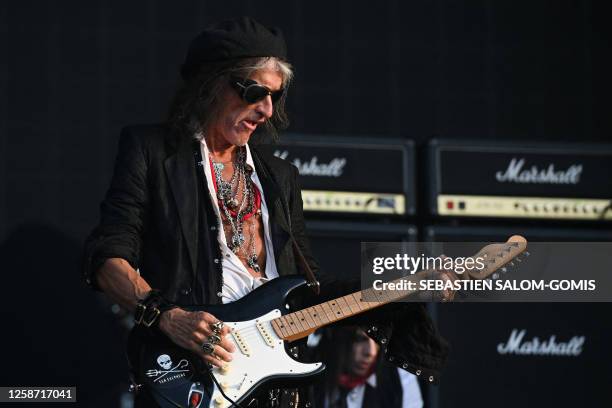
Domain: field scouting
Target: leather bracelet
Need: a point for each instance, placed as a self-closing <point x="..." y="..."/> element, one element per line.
<point x="149" y="309"/>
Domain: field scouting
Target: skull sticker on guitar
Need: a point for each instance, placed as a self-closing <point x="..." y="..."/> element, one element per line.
<point x="165" y="362"/>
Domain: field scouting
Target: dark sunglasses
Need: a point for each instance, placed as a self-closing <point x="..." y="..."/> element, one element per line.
<point x="252" y="92"/>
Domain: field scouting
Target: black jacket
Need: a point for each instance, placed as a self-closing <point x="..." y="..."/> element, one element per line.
<point x="158" y="216"/>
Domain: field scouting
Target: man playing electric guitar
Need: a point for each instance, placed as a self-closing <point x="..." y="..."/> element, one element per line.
<point x="195" y="215"/>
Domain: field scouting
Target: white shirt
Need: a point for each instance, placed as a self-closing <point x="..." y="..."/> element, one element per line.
<point x="237" y="281"/>
<point x="411" y="393"/>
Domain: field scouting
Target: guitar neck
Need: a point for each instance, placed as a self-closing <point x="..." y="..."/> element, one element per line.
<point x="296" y="325"/>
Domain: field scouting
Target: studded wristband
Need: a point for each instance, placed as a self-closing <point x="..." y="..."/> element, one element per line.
<point x="150" y="308"/>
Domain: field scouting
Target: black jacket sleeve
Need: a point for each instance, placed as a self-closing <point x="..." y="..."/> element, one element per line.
<point x="123" y="211"/>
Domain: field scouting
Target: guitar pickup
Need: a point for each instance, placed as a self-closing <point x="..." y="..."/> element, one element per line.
<point x="242" y="344"/>
<point x="265" y="334"/>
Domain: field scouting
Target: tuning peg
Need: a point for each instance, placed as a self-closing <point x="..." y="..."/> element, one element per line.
<point x="518" y="259"/>
<point x="511" y="264"/>
<point x="504" y="270"/>
<point x="526" y="253"/>
<point x="495" y="276"/>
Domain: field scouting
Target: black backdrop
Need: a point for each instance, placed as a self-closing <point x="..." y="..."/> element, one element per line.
<point x="72" y="73"/>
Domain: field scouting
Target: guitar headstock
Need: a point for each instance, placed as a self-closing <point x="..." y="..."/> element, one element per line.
<point x="498" y="258"/>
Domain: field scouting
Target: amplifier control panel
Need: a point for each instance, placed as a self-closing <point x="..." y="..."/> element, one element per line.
<point x="353" y="202"/>
<point x="524" y="207"/>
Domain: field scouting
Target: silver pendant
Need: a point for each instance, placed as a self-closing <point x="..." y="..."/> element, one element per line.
<point x="225" y="191"/>
<point x="233" y="203"/>
<point x="252" y="262"/>
<point x="237" y="240"/>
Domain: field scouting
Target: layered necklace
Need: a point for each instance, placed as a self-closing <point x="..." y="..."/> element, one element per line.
<point x="238" y="211"/>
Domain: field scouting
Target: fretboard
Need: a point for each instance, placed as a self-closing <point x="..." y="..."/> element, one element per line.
<point x="296" y="325"/>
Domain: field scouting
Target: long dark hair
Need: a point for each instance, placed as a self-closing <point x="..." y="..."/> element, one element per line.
<point x="198" y="101"/>
<point x="337" y="352"/>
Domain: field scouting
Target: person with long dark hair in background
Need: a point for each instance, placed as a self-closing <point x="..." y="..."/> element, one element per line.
<point x="358" y="377"/>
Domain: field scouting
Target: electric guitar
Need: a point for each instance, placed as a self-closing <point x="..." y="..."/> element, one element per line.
<point x="262" y="326"/>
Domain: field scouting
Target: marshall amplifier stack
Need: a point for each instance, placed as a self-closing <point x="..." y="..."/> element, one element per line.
<point x="522" y="354"/>
<point x="535" y="181"/>
<point x="354" y="190"/>
<point x="353" y="176"/>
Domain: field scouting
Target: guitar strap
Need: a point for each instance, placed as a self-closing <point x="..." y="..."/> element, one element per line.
<point x="313" y="283"/>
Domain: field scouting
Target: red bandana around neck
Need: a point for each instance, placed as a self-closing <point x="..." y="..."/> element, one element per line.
<point x="349" y="381"/>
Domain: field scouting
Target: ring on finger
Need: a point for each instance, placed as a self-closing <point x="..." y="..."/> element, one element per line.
<point x="208" y="348"/>
<point x="214" y="339"/>
<point x="217" y="327"/>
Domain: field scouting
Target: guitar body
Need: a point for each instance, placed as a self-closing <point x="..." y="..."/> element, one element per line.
<point x="177" y="378"/>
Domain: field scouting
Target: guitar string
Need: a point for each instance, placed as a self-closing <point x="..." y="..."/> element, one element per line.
<point x="250" y="330"/>
<point x="344" y="309"/>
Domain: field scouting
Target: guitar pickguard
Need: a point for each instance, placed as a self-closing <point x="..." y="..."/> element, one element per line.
<point x="260" y="357"/>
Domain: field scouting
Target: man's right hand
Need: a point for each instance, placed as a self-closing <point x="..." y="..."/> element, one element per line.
<point x="191" y="329"/>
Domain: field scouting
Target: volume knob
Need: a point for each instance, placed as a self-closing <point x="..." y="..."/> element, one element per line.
<point x="220" y="401"/>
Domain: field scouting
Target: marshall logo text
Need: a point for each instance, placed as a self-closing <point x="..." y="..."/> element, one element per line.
<point x="312" y="167"/>
<point x="537" y="347"/>
<point x="533" y="175"/>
